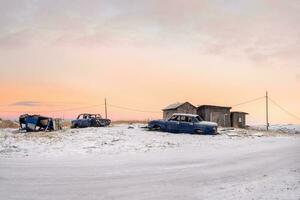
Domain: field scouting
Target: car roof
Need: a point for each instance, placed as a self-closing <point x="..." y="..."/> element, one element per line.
<point x="185" y="114"/>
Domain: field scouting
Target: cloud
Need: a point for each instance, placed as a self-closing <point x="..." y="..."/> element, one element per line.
<point x="45" y="104"/>
<point x="23" y="38"/>
<point x="261" y="31"/>
<point x="27" y="103"/>
<point x="298" y="77"/>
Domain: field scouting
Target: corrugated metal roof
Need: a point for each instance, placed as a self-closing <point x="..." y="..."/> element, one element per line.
<point x="239" y="112"/>
<point x="173" y="106"/>
<point x="213" y="106"/>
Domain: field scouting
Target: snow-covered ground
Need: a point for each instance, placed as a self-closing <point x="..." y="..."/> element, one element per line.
<point x="115" y="140"/>
<point x="281" y="128"/>
<point x="131" y="163"/>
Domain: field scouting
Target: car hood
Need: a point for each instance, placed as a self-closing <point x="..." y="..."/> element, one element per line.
<point x="158" y="120"/>
<point x="208" y="123"/>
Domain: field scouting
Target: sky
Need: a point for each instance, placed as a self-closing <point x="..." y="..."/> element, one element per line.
<point x="145" y="54"/>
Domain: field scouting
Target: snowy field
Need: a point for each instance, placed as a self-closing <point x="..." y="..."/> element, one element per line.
<point x="128" y="162"/>
<point x="281" y="128"/>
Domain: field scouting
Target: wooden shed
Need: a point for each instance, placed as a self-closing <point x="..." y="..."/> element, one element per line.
<point x="238" y="119"/>
<point x="186" y="107"/>
<point x="218" y="114"/>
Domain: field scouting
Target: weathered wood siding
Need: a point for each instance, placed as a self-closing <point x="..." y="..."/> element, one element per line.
<point x="220" y="115"/>
<point x="238" y="120"/>
<point x="184" y="108"/>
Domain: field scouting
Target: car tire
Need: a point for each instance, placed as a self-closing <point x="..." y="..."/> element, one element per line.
<point x="156" y="128"/>
<point x="74" y="126"/>
<point x="198" y="131"/>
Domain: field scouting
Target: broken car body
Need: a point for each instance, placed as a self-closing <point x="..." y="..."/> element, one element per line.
<point x="32" y="123"/>
<point x="90" y="120"/>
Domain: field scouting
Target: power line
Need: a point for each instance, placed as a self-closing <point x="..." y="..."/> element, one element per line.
<point x="133" y="109"/>
<point x="145" y="111"/>
<point x="71" y="109"/>
<point x="250" y="101"/>
<point x="115" y="106"/>
<point x="285" y="110"/>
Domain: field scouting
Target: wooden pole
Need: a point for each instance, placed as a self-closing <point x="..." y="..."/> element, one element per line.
<point x="105" y="108"/>
<point x="267" y="110"/>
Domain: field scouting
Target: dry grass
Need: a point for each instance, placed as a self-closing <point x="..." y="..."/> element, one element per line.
<point x="66" y="123"/>
<point x="12" y="124"/>
<point x="270" y="132"/>
<point x="8" y="124"/>
<point x="130" y="122"/>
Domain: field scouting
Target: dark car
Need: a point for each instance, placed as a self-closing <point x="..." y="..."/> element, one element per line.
<point x="90" y="120"/>
<point x="32" y="123"/>
<point x="184" y="123"/>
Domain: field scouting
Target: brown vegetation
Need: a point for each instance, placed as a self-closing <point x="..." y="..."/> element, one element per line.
<point x="8" y="124"/>
<point x="66" y="123"/>
<point x="130" y="122"/>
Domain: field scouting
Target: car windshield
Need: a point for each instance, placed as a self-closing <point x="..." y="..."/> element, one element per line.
<point x="184" y="118"/>
<point x="198" y="119"/>
<point x="80" y="117"/>
<point x="174" y="118"/>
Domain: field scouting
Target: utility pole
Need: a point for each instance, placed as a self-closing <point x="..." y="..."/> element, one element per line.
<point x="267" y="110"/>
<point x="105" y="108"/>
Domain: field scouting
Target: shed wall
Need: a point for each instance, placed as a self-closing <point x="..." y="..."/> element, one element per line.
<point x="184" y="108"/>
<point x="219" y="115"/>
<point x="168" y="113"/>
<point x="238" y="120"/>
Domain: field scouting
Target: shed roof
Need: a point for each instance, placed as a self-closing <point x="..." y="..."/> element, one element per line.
<point x="214" y="106"/>
<point x="176" y="105"/>
<point x="239" y="112"/>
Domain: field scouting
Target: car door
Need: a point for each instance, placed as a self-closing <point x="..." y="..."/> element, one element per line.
<point x="87" y="121"/>
<point x="83" y="121"/>
<point x="172" y="124"/>
<point x="186" y="124"/>
<point x="79" y="120"/>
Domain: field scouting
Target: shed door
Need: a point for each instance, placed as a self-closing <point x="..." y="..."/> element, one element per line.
<point x="219" y="118"/>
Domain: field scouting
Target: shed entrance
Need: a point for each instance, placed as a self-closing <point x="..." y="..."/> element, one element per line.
<point x="219" y="117"/>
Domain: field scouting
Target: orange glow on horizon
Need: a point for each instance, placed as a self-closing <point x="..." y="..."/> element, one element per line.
<point x="149" y="56"/>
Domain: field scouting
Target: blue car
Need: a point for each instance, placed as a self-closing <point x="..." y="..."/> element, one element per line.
<point x="32" y="123"/>
<point x="184" y="123"/>
<point x="90" y="120"/>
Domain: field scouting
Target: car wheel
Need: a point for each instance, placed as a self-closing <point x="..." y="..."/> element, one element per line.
<point x="96" y="124"/>
<point x="197" y="131"/>
<point x="156" y="128"/>
<point x="102" y="124"/>
<point x="107" y="123"/>
<point x="74" y="126"/>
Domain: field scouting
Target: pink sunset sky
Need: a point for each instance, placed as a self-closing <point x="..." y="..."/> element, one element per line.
<point x="145" y="54"/>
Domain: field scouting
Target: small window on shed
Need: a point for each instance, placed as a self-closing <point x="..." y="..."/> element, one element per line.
<point x="240" y="119"/>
